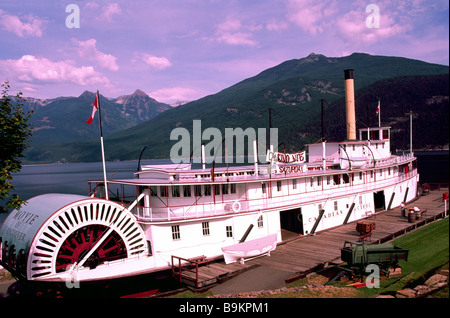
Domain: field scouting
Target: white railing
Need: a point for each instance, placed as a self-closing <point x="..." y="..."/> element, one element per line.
<point x="210" y="209"/>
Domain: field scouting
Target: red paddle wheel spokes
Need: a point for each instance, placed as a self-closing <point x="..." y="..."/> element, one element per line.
<point x="79" y="243"/>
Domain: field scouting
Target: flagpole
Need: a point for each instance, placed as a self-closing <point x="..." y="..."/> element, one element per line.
<point x="379" y="114"/>
<point x="103" y="150"/>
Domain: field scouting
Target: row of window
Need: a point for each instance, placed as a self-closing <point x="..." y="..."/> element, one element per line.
<point x="176" y="234"/>
<point x="230" y="188"/>
<point x="336" y="179"/>
<point x="336" y="206"/>
<point x="199" y="190"/>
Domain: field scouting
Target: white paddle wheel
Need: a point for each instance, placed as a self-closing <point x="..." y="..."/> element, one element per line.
<point x="83" y="234"/>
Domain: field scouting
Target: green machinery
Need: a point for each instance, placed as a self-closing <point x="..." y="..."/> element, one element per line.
<point x="359" y="255"/>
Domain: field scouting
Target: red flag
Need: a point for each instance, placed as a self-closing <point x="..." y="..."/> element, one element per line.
<point x="378" y="109"/>
<point x="94" y="109"/>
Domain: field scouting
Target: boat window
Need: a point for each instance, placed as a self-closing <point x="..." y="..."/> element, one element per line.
<point x="260" y="221"/>
<point x="328" y="180"/>
<point x="153" y="191"/>
<point x="205" y="228"/>
<point x="374" y="135"/>
<point x="319" y="181"/>
<point x="225" y="188"/>
<point x="233" y="188"/>
<point x="335" y="205"/>
<point x="364" y="135"/>
<point x="198" y="190"/>
<point x="229" y="230"/>
<point x="294" y="184"/>
<point x="176" y="191"/>
<point x="278" y="185"/>
<point x="186" y="190"/>
<point x="337" y="179"/>
<point x="149" y="247"/>
<point x="176" y="232"/>
<point x="163" y="191"/>
<point x="217" y="189"/>
<point x="263" y="187"/>
<point x="345" y="178"/>
<point x="207" y="188"/>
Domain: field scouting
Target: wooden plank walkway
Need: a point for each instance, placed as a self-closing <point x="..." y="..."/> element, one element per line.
<point x="212" y="273"/>
<point x="309" y="253"/>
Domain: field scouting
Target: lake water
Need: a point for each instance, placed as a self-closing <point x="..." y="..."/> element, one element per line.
<point x="69" y="178"/>
<point x="73" y="178"/>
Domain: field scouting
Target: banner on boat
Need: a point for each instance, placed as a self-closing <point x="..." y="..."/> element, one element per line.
<point x="298" y="157"/>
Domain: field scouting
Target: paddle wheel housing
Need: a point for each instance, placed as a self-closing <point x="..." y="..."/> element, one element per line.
<point x="53" y="233"/>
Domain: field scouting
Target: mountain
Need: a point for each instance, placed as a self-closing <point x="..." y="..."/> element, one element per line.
<point x="140" y="106"/>
<point x="293" y="89"/>
<point x="51" y="117"/>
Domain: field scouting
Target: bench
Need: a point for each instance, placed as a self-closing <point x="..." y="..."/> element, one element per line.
<point x="369" y="214"/>
<point x="197" y="259"/>
<point x="425" y="188"/>
<point x="365" y="237"/>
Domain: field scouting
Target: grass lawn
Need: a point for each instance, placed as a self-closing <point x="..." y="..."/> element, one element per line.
<point x="428" y="251"/>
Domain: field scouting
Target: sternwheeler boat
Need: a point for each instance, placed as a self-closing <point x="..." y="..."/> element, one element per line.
<point x="227" y="212"/>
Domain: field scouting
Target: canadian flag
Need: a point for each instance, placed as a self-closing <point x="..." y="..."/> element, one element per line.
<point x="94" y="109"/>
<point x="378" y="110"/>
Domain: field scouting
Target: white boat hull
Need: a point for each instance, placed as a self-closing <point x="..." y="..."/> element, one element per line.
<point x="250" y="249"/>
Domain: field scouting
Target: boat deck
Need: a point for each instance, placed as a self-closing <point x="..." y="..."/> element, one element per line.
<point x="301" y="255"/>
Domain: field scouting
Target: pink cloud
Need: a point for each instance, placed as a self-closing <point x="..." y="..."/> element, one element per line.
<point x="157" y="63"/>
<point x="234" y="33"/>
<point x="110" y="10"/>
<point x="12" y="23"/>
<point x="32" y="69"/>
<point x="275" y="25"/>
<point x="311" y="16"/>
<point x="87" y="50"/>
<point x="352" y="28"/>
<point x="176" y="94"/>
<point x="237" y="38"/>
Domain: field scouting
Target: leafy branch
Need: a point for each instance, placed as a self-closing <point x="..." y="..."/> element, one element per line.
<point x="14" y="133"/>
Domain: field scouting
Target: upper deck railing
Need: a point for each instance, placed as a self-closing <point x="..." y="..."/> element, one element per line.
<point x="246" y="204"/>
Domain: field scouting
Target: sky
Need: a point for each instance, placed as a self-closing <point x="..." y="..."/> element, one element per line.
<point x="177" y="50"/>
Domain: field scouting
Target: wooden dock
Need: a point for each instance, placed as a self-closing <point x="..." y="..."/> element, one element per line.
<point x="310" y="253"/>
<point x="210" y="273"/>
<point x="306" y="254"/>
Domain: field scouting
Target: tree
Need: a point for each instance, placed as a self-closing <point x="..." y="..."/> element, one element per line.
<point x="14" y="132"/>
